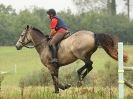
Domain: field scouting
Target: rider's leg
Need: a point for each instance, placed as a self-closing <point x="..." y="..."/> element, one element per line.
<point x="53" y="46"/>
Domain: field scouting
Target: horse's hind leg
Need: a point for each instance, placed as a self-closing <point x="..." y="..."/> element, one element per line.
<point x="83" y="71"/>
<point x="80" y="70"/>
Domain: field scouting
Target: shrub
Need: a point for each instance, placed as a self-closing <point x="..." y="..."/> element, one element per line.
<point x="41" y="78"/>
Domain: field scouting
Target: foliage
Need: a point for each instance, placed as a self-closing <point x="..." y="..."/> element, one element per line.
<point x="12" y="23"/>
<point x="72" y="93"/>
<point x="101" y="84"/>
<point x="129" y="74"/>
<point x="108" y="76"/>
<point x="43" y="78"/>
<point x="40" y="78"/>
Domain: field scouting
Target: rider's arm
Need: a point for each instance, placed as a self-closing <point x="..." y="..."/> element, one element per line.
<point x="53" y="26"/>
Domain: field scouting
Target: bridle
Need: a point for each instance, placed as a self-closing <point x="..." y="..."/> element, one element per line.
<point x="27" y="46"/>
<point x="22" y="41"/>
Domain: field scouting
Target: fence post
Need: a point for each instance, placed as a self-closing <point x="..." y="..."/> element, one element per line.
<point x="120" y="70"/>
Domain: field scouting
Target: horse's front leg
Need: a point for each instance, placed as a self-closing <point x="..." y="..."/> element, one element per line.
<point x="54" y="73"/>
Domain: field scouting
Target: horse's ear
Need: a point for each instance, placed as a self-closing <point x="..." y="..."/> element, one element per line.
<point x="27" y="27"/>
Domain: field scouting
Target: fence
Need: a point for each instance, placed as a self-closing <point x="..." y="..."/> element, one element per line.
<point x="121" y="70"/>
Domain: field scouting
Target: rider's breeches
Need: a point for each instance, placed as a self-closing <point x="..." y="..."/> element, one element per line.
<point x="57" y="38"/>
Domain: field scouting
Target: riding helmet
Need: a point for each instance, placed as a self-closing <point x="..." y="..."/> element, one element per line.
<point x="51" y="12"/>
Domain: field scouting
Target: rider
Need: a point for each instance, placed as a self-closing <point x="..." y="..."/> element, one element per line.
<point x="58" y="31"/>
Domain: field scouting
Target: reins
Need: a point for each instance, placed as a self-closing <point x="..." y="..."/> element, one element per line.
<point x="34" y="45"/>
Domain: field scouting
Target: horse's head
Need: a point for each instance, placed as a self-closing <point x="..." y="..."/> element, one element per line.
<point x="24" y="38"/>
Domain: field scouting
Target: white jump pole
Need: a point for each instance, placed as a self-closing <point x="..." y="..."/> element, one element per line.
<point x="120" y="70"/>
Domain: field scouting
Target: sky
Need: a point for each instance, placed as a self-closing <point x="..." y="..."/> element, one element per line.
<point x="46" y="4"/>
<point x="58" y="5"/>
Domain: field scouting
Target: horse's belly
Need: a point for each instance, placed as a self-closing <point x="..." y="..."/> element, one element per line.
<point x="66" y="57"/>
<point x="76" y="47"/>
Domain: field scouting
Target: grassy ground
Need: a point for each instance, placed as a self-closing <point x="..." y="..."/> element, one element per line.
<point x="72" y="93"/>
<point x="27" y="61"/>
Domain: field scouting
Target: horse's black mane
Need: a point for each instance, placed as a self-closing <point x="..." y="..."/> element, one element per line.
<point x="33" y="28"/>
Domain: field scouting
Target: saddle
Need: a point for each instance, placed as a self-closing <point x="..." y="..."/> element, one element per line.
<point x="68" y="33"/>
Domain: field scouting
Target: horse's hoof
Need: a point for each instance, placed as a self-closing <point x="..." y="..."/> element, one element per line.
<point x="56" y="92"/>
<point x="63" y="87"/>
<point x="79" y="84"/>
<point x="67" y="86"/>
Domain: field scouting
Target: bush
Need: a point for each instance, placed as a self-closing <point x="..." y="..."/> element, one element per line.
<point x="37" y="78"/>
<point x="108" y="77"/>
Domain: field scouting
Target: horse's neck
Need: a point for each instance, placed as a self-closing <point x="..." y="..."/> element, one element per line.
<point x="39" y="41"/>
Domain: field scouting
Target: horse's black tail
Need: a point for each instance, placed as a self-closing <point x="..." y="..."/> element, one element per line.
<point x="109" y="44"/>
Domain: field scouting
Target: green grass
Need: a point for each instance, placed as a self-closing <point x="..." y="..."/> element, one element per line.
<point x="27" y="61"/>
<point x="72" y="93"/>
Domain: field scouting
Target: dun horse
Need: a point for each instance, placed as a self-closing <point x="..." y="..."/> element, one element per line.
<point x="80" y="45"/>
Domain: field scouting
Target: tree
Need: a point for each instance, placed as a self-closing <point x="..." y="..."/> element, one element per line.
<point x="111" y="7"/>
<point x="7" y="10"/>
<point x="89" y="5"/>
<point x="128" y="8"/>
<point x="11" y="25"/>
<point x="95" y="5"/>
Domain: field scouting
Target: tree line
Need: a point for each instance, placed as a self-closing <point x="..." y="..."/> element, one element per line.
<point x="13" y="23"/>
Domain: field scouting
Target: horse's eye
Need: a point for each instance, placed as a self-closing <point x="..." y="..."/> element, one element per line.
<point x="22" y="35"/>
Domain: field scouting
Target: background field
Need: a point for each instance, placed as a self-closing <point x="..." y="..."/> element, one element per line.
<point x="27" y="61"/>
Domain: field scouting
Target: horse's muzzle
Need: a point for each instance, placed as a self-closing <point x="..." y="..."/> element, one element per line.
<point x="18" y="48"/>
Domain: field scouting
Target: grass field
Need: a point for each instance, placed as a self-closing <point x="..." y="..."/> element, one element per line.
<point x="72" y="93"/>
<point x="27" y="61"/>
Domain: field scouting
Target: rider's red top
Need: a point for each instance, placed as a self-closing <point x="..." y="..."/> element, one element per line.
<point x="53" y="25"/>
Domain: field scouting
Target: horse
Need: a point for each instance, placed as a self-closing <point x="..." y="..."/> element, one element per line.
<point x="80" y="45"/>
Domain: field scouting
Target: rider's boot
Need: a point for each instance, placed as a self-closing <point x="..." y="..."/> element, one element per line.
<point x="54" y="50"/>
